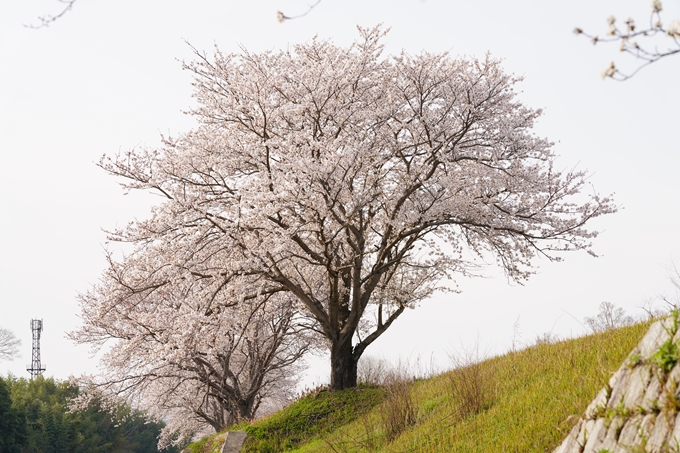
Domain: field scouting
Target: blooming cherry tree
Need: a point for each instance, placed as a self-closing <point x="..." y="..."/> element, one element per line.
<point x="196" y="363"/>
<point x="354" y="182"/>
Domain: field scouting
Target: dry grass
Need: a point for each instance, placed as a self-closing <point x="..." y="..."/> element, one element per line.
<point x="398" y="410"/>
<point x="472" y="384"/>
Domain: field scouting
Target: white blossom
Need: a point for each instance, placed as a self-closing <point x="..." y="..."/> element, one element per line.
<point x="350" y="184"/>
<point x="674" y="29"/>
<point x="609" y="71"/>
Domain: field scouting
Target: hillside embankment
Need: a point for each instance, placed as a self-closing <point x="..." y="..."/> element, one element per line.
<point x="524" y="401"/>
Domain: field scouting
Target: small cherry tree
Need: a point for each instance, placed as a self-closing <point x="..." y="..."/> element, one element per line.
<point x="609" y="317"/>
<point x="9" y="344"/>
<point x="354" y="182"/>
<point x="195" y="362"/>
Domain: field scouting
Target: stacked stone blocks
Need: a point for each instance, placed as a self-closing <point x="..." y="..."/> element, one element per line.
<point x="638" y="410"/>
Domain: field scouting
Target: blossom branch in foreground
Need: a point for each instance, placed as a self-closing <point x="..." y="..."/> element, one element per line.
<point x="281" y="17"/>
<point x="46" y="21"/>
<point x="660" y="41"/>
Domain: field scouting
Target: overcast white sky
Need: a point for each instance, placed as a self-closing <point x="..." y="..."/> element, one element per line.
<point x="106" y="77"/>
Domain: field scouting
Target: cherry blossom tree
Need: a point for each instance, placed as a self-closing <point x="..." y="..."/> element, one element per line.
<point x="356" y="183"/>
<point x="647" y="44"/>
<point x="195" y="362"/>
<point x="9" y="344"/>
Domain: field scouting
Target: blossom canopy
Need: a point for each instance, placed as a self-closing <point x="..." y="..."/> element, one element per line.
<point x="352" y="181"/>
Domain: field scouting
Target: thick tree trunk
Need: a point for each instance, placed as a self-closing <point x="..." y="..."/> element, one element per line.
<point x="343" y="365"/>
<point x="244" y="410"/>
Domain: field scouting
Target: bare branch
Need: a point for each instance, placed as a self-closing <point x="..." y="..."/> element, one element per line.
<point x="46" y="21"/>
<point x="281" y="17"/>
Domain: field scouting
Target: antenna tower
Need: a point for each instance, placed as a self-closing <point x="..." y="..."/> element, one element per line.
<point x="36" y="368"/>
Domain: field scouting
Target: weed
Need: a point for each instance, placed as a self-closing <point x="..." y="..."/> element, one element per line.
<point x="600" y="411"/>
<point x="620" y="410"/>
<point x="675" y="448"/>
<point x="634" y="360"/>
<point x="675" y="314"/>
<point x="667" y="356"/>
<point x="671" y="401"/>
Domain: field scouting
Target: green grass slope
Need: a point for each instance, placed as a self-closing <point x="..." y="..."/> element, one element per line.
<point x="525" y="401"/>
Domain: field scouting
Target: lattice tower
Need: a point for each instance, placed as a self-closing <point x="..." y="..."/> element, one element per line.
<point x="35" y="368"/>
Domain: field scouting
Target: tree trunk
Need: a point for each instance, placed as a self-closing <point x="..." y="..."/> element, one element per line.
<point x="343" y="365"/>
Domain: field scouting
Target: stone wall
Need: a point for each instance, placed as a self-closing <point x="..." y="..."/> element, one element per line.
<point x="638" y="411"/>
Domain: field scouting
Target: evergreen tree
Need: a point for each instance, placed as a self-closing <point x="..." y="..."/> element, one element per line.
<point x="43" y="422"/>
<point x="12" y="423"/>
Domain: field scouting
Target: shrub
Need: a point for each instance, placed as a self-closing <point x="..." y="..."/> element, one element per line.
<point x="472" y="384"/>
<point x="398" y="410"/>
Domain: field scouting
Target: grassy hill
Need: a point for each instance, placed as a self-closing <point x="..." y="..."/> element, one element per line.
<point x="525" y="401"/>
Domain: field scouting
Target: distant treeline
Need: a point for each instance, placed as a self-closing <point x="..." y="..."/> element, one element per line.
<point x="34" y="418"/>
